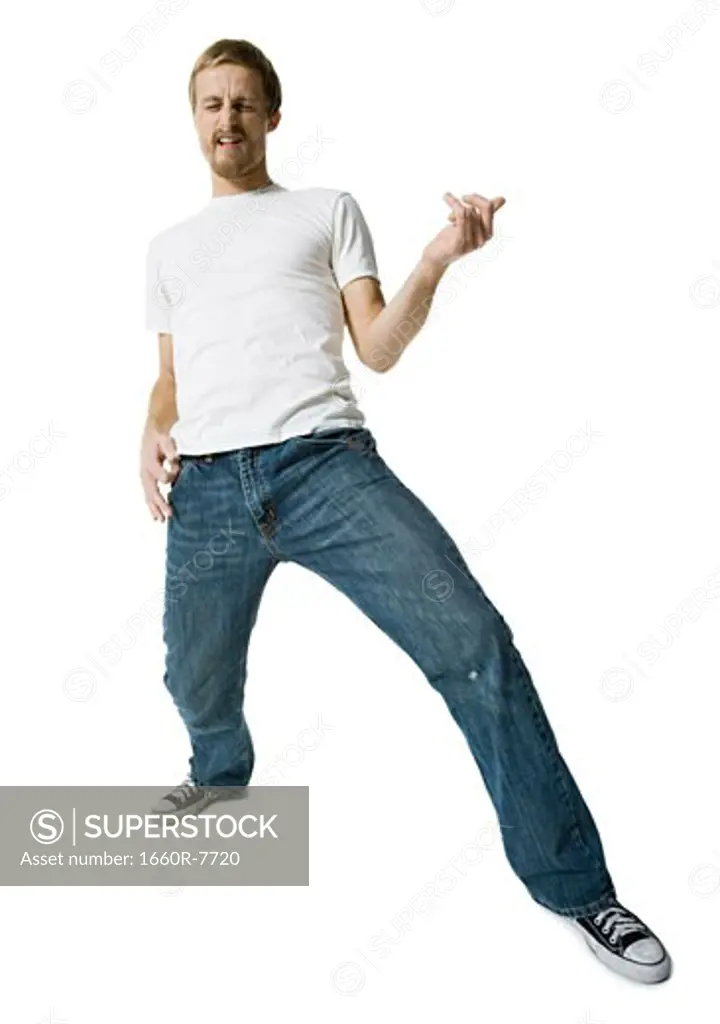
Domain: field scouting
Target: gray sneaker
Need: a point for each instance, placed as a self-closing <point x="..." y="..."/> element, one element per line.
<point x="187" y="797"/>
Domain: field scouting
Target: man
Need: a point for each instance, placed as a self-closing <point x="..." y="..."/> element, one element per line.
<point x="269" y="461"/>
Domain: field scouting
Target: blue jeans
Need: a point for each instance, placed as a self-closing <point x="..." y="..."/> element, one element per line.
<point x="328" y="501"/>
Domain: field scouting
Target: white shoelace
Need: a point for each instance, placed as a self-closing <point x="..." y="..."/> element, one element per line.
<point x="185" y="790"/>
<point x="618" y="922"/>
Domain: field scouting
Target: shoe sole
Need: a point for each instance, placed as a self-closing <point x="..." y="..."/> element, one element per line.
<point x="648" y="974"/>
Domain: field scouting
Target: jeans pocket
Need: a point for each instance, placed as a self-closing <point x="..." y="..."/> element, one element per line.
<point x="185" y="469"/>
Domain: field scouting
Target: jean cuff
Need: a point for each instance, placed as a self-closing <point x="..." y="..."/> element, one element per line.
<point x="586" y="909"/>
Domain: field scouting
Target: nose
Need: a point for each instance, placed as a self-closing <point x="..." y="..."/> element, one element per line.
<point x="228" y="117"/>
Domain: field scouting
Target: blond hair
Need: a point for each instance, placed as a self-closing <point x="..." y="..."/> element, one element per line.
<point x="246" y="55"/>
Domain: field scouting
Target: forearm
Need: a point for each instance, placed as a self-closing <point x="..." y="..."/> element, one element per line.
<point x="162" y="410"/>
<point x="396" y="325"/>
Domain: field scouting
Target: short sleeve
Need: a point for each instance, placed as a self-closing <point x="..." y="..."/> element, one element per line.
<point x="158" y="304"/>
<point x="353" y="253"/>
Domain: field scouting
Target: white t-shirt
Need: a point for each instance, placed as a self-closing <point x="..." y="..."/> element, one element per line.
<point x="249" y="289"/>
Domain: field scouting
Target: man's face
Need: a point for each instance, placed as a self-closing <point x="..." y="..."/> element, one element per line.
<point x="231" y="119"/>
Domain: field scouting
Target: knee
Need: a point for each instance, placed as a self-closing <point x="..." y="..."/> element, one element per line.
<point x="480" y="669"/>
<point x="486" y="645"/>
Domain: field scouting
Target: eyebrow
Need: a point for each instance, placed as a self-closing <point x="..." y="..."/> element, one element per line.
<point x="208" y="99"/>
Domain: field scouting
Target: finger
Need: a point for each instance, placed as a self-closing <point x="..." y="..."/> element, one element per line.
<point x="470" y="229"/>
<point x="489" y="206"/>
<point x="463" y="222"/>
<point x="154" y="498"/>
<point x="483" y="211"/>
<point x="461" y="217"/>
<point x="485" y="224"/>
<point x="453" y="201"/>
<point x="154" y="511"/>
<point x="159" y="508"/>
<point x="497" y="203"/>
<point x="481" y="234"/>
<point x="157" y="512"/>
<point x="474" y="233"/>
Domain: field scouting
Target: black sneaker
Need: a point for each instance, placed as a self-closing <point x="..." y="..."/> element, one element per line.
<point x="625" y="944"/>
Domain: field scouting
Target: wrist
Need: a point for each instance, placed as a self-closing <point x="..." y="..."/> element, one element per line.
<point x="432" y="267"/>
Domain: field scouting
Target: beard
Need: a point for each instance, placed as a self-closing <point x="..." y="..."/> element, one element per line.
<point x="227" y="162"/>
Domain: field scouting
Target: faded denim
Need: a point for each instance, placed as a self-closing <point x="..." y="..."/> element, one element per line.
<point x="329" y="502"/>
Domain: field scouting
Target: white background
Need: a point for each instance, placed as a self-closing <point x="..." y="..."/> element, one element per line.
<point x="596" y="307"/>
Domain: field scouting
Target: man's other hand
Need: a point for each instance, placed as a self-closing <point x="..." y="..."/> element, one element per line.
<point x="157" y="447"/>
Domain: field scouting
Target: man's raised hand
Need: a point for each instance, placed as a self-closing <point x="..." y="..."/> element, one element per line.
<point x="471" y="226"/>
